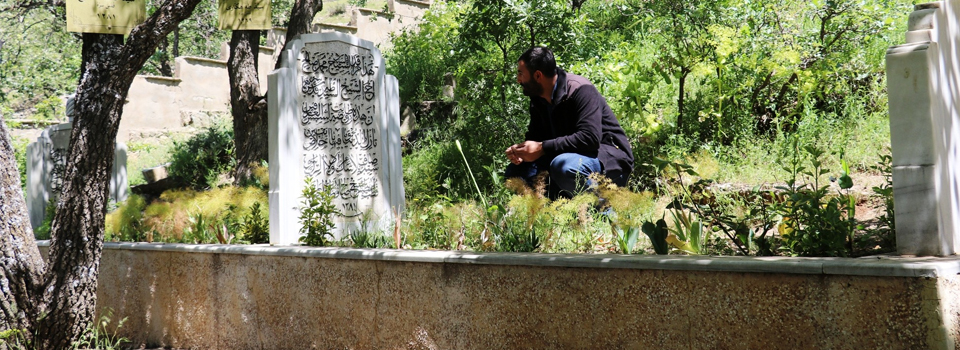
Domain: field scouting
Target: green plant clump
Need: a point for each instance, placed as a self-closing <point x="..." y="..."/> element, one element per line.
<point x="43" y="232"/>
<point x="316" y="214"/>
<point x="255" y="227"/>
<point x="99" y="336"/>
<point x="20" y="155"/>
<point x="816" y="223"/>
<point x="126" y="223"/>
<point x="200" y="161"/>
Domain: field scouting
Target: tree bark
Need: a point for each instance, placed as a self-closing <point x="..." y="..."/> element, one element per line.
<point x="166" y="69"/>
<point x="21" y="267"/>
<point x="66" y="295"/>
<point x="248" y="106"/>
<point x="301" y="19"/>
<point x="684" y="71"/>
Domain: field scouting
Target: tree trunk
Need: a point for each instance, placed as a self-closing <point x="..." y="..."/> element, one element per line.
<point x="77" y="229"/>
<point x="21" y="267"/>
<point x="248" y="106"/>
<point x="66" y="296"/>
<point x="166" y="69"/>
<point x="301" y="19"/>
<point x="680" y="97"/>
<point x="176" y="42"/>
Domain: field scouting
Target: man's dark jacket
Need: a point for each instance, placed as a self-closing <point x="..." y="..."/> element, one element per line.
<point x="580" y="121"/>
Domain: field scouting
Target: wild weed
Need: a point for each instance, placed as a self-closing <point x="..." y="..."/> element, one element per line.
<point x="126" y="223"/>
<point x="100" y="337"/>
<point x="815" y="223"/>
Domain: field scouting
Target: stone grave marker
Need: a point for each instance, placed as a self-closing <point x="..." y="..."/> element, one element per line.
<point x="334" y="119"/>
<point x="923" y="82"/>
<point x="46" y="163"/>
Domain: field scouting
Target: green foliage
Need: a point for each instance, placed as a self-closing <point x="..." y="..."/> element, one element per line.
<point x="20" y="155"/>
<point x="99" y="336"/>
<point x="657" y="232"/>
<point x="201" y="229"/>
<point x="255" y="227"/>
<point x="626" y="241"/>
<point x="688" y="233"/>
<point x="43" y="232"/>
<point x="202" y="159"/>
<point x="420" y="58"/>
<point x="14" y="339"/>
<point x="126" y="224"/>
<point x="470" y="172"/>
<point x="816" y="224"/>
<point x="514" y="232"/>
<point x="146" y="154"/>
<point x="367" y="235"/>
<point x="175" y="215"/>
<point x="440" y="226"/>
<point x="50" y="109"/>
<point x="39" y="61"/>
<point x="367" y="239"/>
<point x="316" y="214"/>
<point x="884" y="234"/>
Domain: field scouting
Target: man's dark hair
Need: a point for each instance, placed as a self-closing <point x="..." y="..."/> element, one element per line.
<point x="540" y="58"/>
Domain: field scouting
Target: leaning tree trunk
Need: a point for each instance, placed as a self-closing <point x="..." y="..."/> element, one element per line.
<point x="21" y="267"/>
<point x="66" y="297"/>
<point x="249" y="108"/>
<point x="77" y="239"/>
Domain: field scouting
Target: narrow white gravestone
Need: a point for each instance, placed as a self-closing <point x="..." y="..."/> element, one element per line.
<point x="46" y="163"/>
<point x="924" y="97"/>
<point x="334" y="118"/>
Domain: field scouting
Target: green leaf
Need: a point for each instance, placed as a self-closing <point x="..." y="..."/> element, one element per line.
<point x="632" y="235"/>
<point x="845" y="181"/>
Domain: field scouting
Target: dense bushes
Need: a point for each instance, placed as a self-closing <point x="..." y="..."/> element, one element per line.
<point x="681" y="76"/>
<point x="733" y="87"/>
<point x="200" y="161"/>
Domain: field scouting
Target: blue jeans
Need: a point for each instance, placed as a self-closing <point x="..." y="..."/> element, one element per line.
<point x="568" y="172"/>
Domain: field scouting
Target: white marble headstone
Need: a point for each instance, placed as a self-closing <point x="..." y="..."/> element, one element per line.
<point x="334" y="119"/>
<point x="923" y="82"/>
<point x="46" y="162"/>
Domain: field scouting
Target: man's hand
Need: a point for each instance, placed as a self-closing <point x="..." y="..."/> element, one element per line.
<point x="527" y="151"/>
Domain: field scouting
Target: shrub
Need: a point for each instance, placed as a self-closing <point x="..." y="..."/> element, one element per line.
<point x="167" y="218"/>
<point x="126" y="223"/>
<point x="816" y="224"/>
<point x="43" y="232"/>
<point x="255" y="227"/>
<point x="202" y="159"/>
<point x="20" y="154"/>
<point x="316" y="215"/>
<point x="50" y="108"/>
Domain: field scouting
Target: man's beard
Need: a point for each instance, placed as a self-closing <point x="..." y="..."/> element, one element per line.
<point x="531" y="88"/>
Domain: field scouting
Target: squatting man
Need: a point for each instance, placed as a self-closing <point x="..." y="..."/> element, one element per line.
<point x="572" y="131"/>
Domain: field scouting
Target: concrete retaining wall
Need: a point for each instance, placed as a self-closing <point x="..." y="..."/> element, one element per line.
<point x="257" y="297"/>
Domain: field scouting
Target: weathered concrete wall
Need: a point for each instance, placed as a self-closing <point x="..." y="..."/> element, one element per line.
<point x="375" y="25"/>
<point x="229" y="297"/>
<point x="199" y="88"/>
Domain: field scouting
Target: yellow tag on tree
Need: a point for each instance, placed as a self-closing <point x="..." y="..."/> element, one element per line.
<point x="105" y="16"/>
<point x="244" y="14"/>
